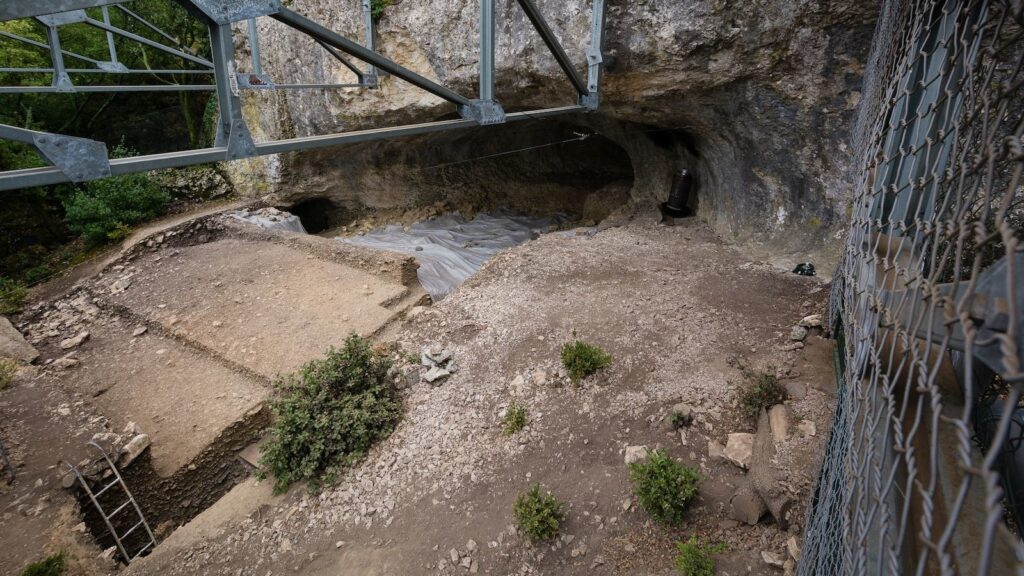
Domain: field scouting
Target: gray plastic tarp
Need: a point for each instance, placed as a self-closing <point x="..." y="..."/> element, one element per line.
<point x="450" y="248"/>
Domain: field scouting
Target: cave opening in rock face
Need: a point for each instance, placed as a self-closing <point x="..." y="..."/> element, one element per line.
<point x="317" y="214"/>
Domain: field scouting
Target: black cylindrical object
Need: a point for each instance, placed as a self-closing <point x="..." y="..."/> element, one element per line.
<point x="679" y="195"/>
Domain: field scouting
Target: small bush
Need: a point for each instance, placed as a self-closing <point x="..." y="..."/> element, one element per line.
<point x="663" y="486"/>
<point x="8" y="368"/>
<point x="762" y="392"/>
<point x="582" y="359"/>
<point x="538" y="515"/>
<point x="680" y="420"/>
<point x="695" y="559"/>
<point x="515" y="418"/>
<point x="12" y="296"/>
<point x="329" y="414"/>
<point x="377" y="8"/>
<point x="51" y="566"/>
<point x="105" y="210"/>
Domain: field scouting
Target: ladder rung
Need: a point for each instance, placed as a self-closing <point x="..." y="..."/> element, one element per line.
<point x="105" y="488"/>
<point x="144" y="548"/>
<point x="119" y="508"/>
<point x="132" y="529"/>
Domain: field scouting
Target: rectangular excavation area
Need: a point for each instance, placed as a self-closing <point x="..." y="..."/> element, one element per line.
<point x="181" y="398"/>
<point x="260" y="305"/>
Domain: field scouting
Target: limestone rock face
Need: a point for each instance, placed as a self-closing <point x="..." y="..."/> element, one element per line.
<point x="756" y="98"/>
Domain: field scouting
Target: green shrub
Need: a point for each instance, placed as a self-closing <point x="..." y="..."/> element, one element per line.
<point x="50" y="566"/>
<point x="538" y="515"/>
<point x="762" y="392"/>
<point x="329" y="414"/>
<point x="515" y="418"/>
<point x="663" y="486"/>
<point x="377" y="8"/>
<point x="582" y="359"/>
<point x="695" y="559"/>
<point x="104" y="210"/>
<point x="8" y="368"/>
<point x="12" y="296"/>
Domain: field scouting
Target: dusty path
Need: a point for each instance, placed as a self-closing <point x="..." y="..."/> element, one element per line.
<point x="673" y="306"/>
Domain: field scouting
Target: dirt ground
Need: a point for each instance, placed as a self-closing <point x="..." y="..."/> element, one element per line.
<point x="674" y="306"/>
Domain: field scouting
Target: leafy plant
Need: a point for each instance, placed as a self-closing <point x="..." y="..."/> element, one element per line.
<point x="680" y="420"/>
<point x="104" y="210"/>
<point x="762" y="392"/>
<point x="377" y="8"/>
<point x="12" y="296"/>
<point x="695" y="559"/>
<point x="8" y="368"/>
<point x="50" y="566"/>
<point x="537" y="514"/>
<point x="515" y="418"/>
<point x="663" y="486"/>
<point x="329" y="414"/>
<point x="582" y="359"/>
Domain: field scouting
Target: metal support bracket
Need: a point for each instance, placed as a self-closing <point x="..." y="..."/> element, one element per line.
<point x="483" y="112"/>
<point x="595" y="58"/>
<point x="253" y="81"/>
<point x="371" y="77"/>
<point x="62" y="18"/>
<point x="225" y="12"/>
<point x="79" y="159"/>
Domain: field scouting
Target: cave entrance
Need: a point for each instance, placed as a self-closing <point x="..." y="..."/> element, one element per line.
<point x="317" y="214"/>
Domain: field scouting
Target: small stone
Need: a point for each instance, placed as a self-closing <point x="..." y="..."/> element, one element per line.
<point x="80" y="528"/>
<point x="806" y="428"/>
<point x="791" y="347"/>
<point x="139" y="331"/>
<point x="471" y="546"/>
<point x="74" y="342"/>
<point x="812" y="321"/>
<point x="796" y="390"/>
<point x="454" y="555"/>
<point x="65" y="362"/>
<point x="773" y="558"/>
<point x="793" y="547"/>
<point x="598" y="561"/>
<point x="739" y="449"/>
<point x="540" y="377"/>
<point x="120" y="285"/>
<point x="339" y="543"/>
<point x="466" y="562"/>
<point x="108" y="554"/>
<point x="474" y="567"/>
<point x="778" y="419"/>
<point x="635" y="454"/>
<point x="436" y="375"/>
<point x="217" y="323"/>
<point x="133" y="449"/>
<point x="798" y="334"/>
<point x="715" y="450"/>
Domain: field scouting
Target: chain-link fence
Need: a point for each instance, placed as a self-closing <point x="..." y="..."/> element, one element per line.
<point x="924" y="470"/>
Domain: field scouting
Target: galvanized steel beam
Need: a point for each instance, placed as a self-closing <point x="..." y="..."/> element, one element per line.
<point x="13" y="9"/>
<point x="537" y="19"/>
<point x="16" y="179"/>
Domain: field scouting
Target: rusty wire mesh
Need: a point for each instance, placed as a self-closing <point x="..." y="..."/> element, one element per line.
<point x="924" y="469"/>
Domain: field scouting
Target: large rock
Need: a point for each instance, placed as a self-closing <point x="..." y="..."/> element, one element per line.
<point x="13" y="344"/>
<point x="739" y="448"/>
<point x="757" y="100"/>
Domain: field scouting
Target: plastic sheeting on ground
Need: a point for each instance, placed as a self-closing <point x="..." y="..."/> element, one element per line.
<point x="270" y="218"/>
<point x="450" y="248"/>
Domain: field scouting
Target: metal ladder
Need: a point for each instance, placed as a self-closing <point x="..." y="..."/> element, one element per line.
<point x="108" y="519"/>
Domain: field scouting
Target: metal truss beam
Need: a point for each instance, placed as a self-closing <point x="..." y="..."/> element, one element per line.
<point x="13" y="9"/>
<point x="318" y="32"/>
<point x="535" y="17"/>
<point x="16" y="179"/>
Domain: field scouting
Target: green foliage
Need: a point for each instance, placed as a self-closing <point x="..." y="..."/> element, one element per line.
<point x="329" y="414"/>
<point x="663" y="486"/>
<point x="12" y="296"/>
<point x="679" y="420"/>
<point x="105" y="210"/>
<point x="695" y="559"/>
<point x="762" y="392"/>
<point x="8" y="368"/>
<point x="377" y="8"/>
<point x="538" y="515"/>
<point x="50" y="566"/>
<point x="515" y="418"/>
<point x="582" y="359"/>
